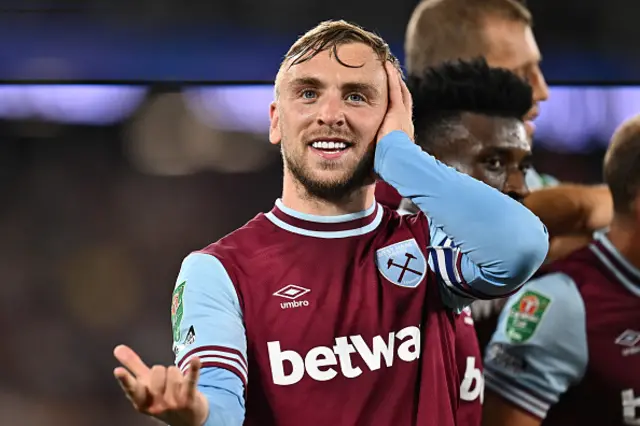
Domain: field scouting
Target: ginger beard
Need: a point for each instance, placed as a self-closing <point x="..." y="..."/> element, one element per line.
<point x="331" y="179"/>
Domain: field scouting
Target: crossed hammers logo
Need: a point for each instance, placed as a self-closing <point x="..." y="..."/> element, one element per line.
<point x="405" y="268"/>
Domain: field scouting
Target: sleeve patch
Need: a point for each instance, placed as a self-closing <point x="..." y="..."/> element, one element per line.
<point x="525" y="316"/>
<point x="499" y="355"/>
<point x="177" y="308"/>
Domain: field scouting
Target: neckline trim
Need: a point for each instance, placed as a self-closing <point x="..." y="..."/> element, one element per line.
<point x="341" y="226"/>
<point x="612" y="259"/>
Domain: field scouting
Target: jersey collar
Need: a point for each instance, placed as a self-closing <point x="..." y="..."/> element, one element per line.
<point x="342" y="226"/>
<point x="620" y="267"/>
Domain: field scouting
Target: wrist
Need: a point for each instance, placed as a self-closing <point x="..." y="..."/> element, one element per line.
<point x="200" y="409"/>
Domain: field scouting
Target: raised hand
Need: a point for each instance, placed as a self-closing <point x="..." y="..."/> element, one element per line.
<point x="162" y="392"/>
<point x="400" y="110"/>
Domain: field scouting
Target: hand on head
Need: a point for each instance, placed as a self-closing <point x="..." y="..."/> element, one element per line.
<point x="399" y="114"/>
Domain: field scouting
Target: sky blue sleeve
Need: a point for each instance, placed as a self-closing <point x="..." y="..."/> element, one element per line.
<point x="499" y="243"/>
<point x="207" y="322"/>
<point x="539" y="348"/>
<point x="443" y="260"/>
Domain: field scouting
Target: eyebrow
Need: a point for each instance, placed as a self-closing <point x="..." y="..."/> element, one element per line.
<point x="506" y="151"/>
<point x="306" y="81"/>
<point x="366" y="88"/>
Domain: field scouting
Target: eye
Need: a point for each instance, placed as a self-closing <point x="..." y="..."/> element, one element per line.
<point x="525" y="167"/>
<point x="494" y="163"/>
<point x="355" y="97"/>
<point x="528" y="72"/>
<point x="525" y="75"/>
<point x="308" y="94"/>
<point x="523" y="72"/>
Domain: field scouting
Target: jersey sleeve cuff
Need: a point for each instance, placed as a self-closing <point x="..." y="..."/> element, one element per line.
<point x="518" y="394"/>
<point x="447" y="262"/>
<point x="218" y="356"/>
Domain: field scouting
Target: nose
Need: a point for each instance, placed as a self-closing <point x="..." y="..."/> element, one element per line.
<point x="539" y="86"/>
<point x="516" y="185"/>
<point x="331" y="112"/>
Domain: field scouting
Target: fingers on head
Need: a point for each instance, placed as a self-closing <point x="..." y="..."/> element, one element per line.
<point x="406" y="95"/>
<point x="395" y="94"/>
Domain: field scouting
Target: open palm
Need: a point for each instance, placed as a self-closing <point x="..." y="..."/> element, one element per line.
<point x="161" y="392"/>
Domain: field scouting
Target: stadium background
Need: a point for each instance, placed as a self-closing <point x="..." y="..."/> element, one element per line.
<point x="106" y="187"/>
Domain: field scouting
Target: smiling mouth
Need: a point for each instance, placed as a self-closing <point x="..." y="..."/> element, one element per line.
<point x="330" y="146"/>
<point x="330" y="149"/>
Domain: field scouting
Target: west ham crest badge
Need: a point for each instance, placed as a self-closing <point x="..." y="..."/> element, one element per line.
<point x="402" y="263"/>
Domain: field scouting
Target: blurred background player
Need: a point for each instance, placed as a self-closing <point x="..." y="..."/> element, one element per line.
<point x="384" y="352"/>
<point x="469" y="116"/>
<point x="501" y="32"/>
<point x="567" y="349"/>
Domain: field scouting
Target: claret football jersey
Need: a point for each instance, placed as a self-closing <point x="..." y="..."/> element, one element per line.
<point x="567" y="348"/>
<point x="350" y="319"/>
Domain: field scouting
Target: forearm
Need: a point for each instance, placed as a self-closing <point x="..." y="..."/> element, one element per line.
<point x="499" y="235"/>
<point x="599" y="207"/>
<point x="572" y="209"/>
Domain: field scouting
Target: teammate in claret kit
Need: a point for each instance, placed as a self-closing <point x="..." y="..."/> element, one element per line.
<point x="567" y="348"/>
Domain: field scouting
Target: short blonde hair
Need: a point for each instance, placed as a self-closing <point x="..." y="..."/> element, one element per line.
<point x="449" y="30"/>
<point x="330" y="35"/>
<point x="622" y="165"/>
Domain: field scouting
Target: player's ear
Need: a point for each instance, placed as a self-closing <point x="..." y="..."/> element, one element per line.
<point x="275" y="136"/>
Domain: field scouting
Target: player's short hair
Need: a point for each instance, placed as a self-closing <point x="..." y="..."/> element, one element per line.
<point x="329" y="35"/>
<point x="448" y="30"/>
<point x="622" y="165"/>
<point x="443" y="93"/>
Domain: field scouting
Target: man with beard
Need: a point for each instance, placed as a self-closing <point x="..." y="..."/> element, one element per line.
<point x="328" y="310"/>
<point x="469" y="116"/>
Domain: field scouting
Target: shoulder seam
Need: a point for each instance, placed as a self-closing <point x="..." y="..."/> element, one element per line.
<point x="230" y="273"/>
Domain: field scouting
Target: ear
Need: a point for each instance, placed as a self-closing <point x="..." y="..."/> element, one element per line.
<point x="275" y="136"/>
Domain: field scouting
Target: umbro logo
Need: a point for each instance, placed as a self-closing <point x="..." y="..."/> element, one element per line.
<point x="629" y="339"/>
<point x="292" y="292"/>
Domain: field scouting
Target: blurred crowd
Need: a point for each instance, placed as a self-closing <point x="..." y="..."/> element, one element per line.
<point x="90" y="250"/>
